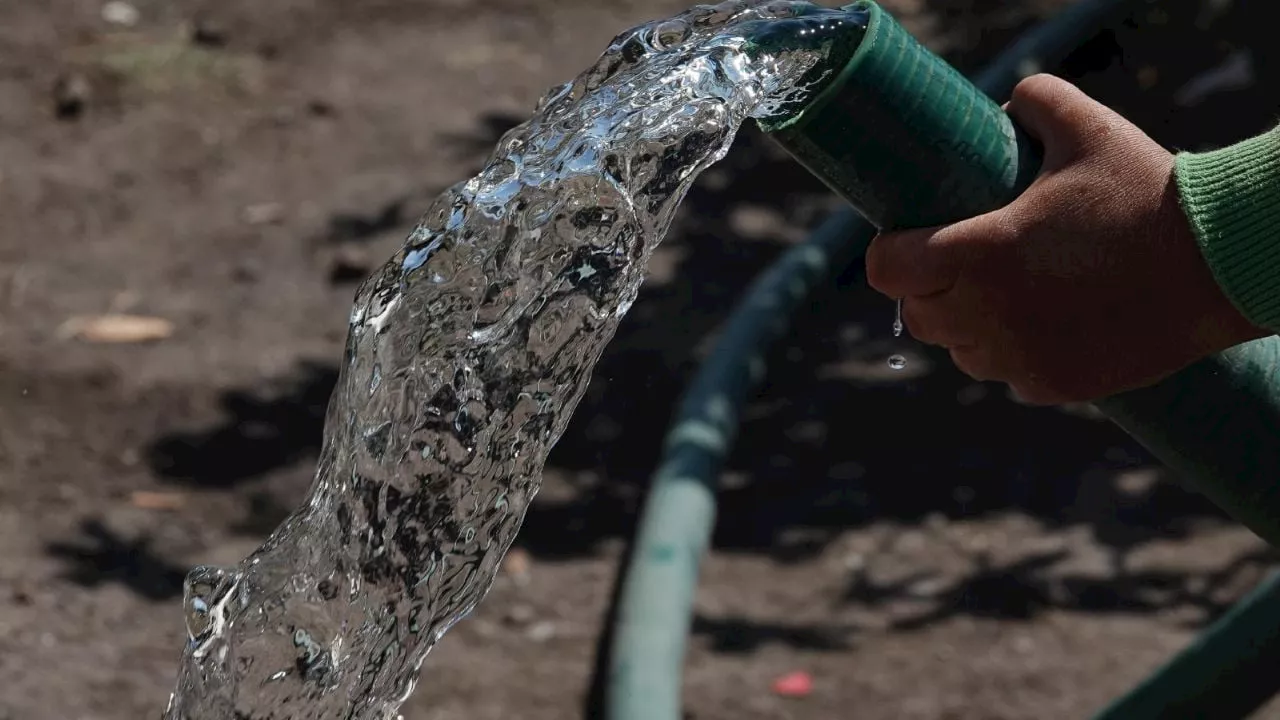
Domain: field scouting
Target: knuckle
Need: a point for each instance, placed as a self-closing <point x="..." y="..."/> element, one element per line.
<point x="1008" y="224"/>
<point x="1104" y="129"/>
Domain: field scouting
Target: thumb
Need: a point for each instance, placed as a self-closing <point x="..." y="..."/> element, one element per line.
<point x="1059" y="115"/>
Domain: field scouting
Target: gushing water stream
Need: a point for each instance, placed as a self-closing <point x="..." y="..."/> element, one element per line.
<point x="467" y="352"/>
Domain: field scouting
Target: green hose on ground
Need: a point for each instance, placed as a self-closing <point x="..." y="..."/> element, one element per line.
<point x="1228" y="672"/>
<point x="654" y="610"/>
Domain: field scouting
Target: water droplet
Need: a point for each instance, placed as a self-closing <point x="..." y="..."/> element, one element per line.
<point x="897" y="362"/>
<point x="897" y="319"/>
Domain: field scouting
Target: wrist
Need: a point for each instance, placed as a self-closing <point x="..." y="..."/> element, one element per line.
<point x="1197" y="308"/>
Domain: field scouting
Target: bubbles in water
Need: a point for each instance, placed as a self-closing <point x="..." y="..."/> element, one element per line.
<point x="897" y="362"/>
<point x="205" y="593"/>
<point x="668" y="34"/>
<point x="466" y="354"/>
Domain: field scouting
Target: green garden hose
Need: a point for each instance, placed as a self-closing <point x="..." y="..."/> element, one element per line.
<point x="655" y="606"/>
<point x="904" y="137"/>
<point x="1225" y="674"/>
<point x="939" y="151"/>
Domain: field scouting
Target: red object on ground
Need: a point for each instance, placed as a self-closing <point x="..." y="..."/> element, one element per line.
<point x="794" y="684"/>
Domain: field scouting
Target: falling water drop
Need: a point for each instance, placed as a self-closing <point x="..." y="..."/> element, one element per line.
<point x="897" y="362"/>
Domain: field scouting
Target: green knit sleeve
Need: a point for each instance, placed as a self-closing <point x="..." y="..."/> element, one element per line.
<point x="1232" y="197"/>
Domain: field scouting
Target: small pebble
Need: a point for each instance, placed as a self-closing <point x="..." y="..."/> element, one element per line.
<point x="264" y="213"/>
<point x="71" y="94"/>
<point x="121" y="13"/>
<point x="151" y="500"/>
<point x="245" y="272"/>
<point x="541" y="631"/>
<point x="518" y="615"/>
<point x="926" y="588"/>
<point x="22" y="596"/>
<point x="517" y="565"/>
<point x="349" y="264"/>
<point x="320" y="108"/>
<point x="207" y="32"/>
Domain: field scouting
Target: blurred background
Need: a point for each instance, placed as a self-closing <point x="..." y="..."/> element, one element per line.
<point x="190" y="191"/>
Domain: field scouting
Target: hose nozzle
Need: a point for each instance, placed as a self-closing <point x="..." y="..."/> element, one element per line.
<point x="833" y="35"/>
<point x="893" y="128"/>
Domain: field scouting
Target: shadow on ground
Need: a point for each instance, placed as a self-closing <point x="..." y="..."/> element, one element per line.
<point x="261" y="433"/>
<point x="101" y="556"/>
<point x="833" y="442"/>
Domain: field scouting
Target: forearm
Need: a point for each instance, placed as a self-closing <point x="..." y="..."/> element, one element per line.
<point x="1232" y="198"/>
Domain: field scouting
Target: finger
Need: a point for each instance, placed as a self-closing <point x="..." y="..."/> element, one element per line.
<point x="1058" y="114"/>
<point x="975" y="361"/>
<point x="913" y="262"/>
<point x="937" y="320"/>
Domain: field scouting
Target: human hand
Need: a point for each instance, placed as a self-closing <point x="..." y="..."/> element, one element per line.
<point x="1088" y="284"/>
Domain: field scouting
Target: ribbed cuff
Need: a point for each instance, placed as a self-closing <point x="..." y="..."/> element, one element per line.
<point x="1232" y="197"/>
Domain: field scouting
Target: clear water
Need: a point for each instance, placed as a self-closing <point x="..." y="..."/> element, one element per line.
<point x="467" y="352"/>
<point x="897" y="362"/>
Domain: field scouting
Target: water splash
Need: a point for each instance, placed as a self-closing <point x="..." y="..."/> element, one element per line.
<point x="466" y="354"/>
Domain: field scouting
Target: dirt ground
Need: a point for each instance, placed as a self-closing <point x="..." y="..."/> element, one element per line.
<point x="920" y="544"/>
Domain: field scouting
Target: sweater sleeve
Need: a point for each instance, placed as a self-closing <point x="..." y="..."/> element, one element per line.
<point x="1232" y="198"/>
